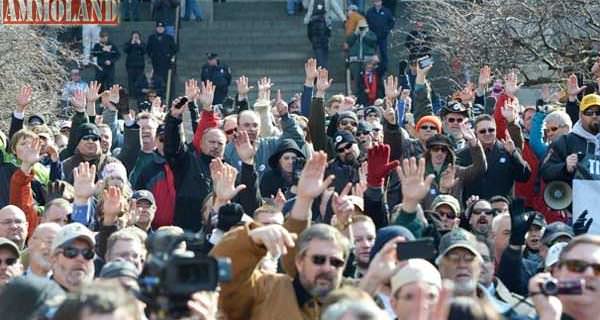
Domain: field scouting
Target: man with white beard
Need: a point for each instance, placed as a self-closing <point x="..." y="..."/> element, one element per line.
<point x="39" y="250"/>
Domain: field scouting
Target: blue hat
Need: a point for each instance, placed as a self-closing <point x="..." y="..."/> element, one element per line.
<point x="343" y="136"/>
<point x="385" y="234"/>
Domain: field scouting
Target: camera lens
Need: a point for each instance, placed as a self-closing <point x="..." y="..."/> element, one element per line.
<point x="550" y="287"/>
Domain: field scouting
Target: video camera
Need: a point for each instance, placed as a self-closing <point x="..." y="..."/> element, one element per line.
<point x="171" y="275"/>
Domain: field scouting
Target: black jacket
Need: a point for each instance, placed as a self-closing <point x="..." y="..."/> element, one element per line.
<point x="502" y="172"/>
<point x="161" y="48"/>
<point x="135" y="55"/>
<point x="318" y="32"/>
<point x="554" y="165"/>
<point x="164" y="11"/>
<point x="103" y="56"/>
<point x="220" y="76"/>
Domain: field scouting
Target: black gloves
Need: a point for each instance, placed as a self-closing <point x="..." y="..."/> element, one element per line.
<point x="519" y="223"/>
<point x="581" y="226"/>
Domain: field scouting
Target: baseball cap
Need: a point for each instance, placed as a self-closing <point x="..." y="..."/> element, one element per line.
<point x="211" y="55"/>
<point x="6" y="243"/>
<point x="588" y="101"/>
<point x="64" y="124"/>
<point x="347" y="115"/>
<point x="538" y="220"/>
<point x="119" y="268"/>
<point x="364" y="127"/>
<point x="454" y="107"/>
<point x="343" y="136"/>
<point x="71" y="232"/>
<point x="36" y="120"/>
<point x="448" y="200"/>
<point x="143" y="195"/>
<point x="553" y="254"/>
<point x="457" y="238"/>
<point x="556" y="230"/>
<point x="160" y="24"/>
<point x="416" y="270"/>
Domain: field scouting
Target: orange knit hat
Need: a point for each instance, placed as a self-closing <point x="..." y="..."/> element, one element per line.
<point x="430" y="119"/>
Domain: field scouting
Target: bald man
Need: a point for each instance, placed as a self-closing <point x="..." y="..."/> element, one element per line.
<point x="39" y="250"/>
<point x="13" y="225"/>
<point x="501" y="233"/>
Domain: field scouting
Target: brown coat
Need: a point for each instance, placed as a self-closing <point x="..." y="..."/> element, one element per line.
<point x="253" y="294"/>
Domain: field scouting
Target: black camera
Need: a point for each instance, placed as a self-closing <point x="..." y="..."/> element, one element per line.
<point x="171" y="275"/>
<point x="553" y="287"/>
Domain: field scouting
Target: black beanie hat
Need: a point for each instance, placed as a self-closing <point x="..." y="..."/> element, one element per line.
<point x="87" y="129"/>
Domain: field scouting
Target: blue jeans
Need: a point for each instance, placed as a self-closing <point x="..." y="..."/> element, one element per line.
<point x="359" y="3"/>
<point x="126" y="5"/>
<point x="291" y="6"/>
<point x="192" y="6"/>
<point x="322" y="55"/>
<point x="170" y="30"/>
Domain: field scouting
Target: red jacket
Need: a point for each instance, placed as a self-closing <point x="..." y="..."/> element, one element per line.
<point x="21" y="196"/>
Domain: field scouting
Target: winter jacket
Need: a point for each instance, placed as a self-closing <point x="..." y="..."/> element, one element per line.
<point x="21" y="195"/>
<point x="113" y="55"/>
<point x="333" y="10"/>
<point x="361" y="45"/>
<point x="515" y="271"/>
<point x="6" y="172"/>
<point x="253" y="294"/>
<point x="536" y="136"/>
<point x="578" y="141"/>
<point x="161" y="48"/>
<point x="164" y="11"/>
<point x="318" y="32"/>
<point x="343" y="172"/>
<point x="73" y="162"/>
<point x="352" y="22"/>
<point x="503" y="170"/>
<point x="220" y="75"/>
<point x="135" y="55"/>
<point x="381" y="21"/>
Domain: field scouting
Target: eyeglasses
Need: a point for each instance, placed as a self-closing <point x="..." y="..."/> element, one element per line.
<point x="372" y="115"/>
<point x="449" y="215"/>
<point x="456" y="257"/>
<point x="90" y="137"/>
<point x="488" y="130"/>
<point x="344" y="148"/>
<point x="348" y="123"/>
<point x="486" y="212"/>
<point x="8" y="222"/>
<point x="438" y="149"/>
<point x="320" y="260"/>
<point x="453" y="120"/>
<point x="579" y="266"/>
<point x="72" y="253"/>
<point x="430" y="128"/>
<point x="8" y="261"/>
<point x="591" y="113"/>
<point x="230" y="131"/>
<point x="552" y="129"/>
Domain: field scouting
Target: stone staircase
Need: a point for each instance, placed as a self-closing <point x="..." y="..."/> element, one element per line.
<point x="255" y="39"/>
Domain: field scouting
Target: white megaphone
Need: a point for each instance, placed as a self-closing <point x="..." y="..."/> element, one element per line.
<point x="558" y="195"/>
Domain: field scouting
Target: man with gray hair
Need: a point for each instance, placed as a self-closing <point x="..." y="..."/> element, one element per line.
<point x="39" y="250"/>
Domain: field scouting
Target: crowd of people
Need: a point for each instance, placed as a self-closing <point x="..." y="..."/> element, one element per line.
<point x="378" y="205"/>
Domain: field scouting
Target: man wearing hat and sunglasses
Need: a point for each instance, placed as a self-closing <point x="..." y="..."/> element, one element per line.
<point x="10" y="266"/>
<point x="73" y="256"/>
<point x="454" y="116"/>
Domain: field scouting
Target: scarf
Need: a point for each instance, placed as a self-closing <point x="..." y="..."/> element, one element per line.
<point x="370" y="80"/>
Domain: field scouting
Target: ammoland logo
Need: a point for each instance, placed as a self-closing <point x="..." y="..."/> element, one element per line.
<point x="60" y="12"/>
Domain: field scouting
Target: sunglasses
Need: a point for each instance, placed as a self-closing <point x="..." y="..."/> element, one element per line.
<point x="438" y="149"/>
<point x="8" y="261"/>
<point x="320" y="260"/>
<point x="348" y="123"/>
<point x="72" y="253"/>
<point x="486" y="212"/>
<point x="552" y="129"/>
<point x="230" y="131"/>
<point x="453" y="120"/>
<point x="90" y="137"/>
<point x="591" y="113"/>
<point x="457" y="257"/>
<point x="488" y="130"/>
<point x="450" y="215"/>
<point x="344" y="148"/>
<point x="430" y="128"/>
<point x="579" y="266"/>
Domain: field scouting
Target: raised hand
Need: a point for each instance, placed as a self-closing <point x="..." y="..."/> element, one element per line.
<point x="281" y="105"/>
<point x="311" y="183"/>
<point x="485" y="76"/>
<point x="392" y="89"/>
<point x="362" y="185"/>
<point x="582" y="224"/>
<point x="207" y="95"/>
<point x="264" y="89"/>
<point x="79" y="100"/>
<point x="223" y="176"/>
<point x="520" y="223"/>
<point x="29" y="154"/>
<point x="203" y="305"/>
<point x="112" y="205"/>
<point x="242" y="87"/>
<point x="415" y="185"/>
<point x="177" y="112"/>
<point x="508" y="143"/>
<point x="510" y="110"/>
<point x="571" y="162"/>
<point x="311" y="72"/>
<point x="573" y="88"/>
<point x="83" y="185"/>
<point x="468" y="134"/>
<point x="511" y="85"/>
<point x="157" y="108"/>
<point x="52" y="151"/>
<point x="275" y="238"/>
<point x="24" y="98"/>
<point x="192" y="91"/>
<point x="383" y="266"/>
<point x="93" y="92"/>
<point x="279" y="200"/>
<point x="548" y="94"/>
<point x="113" y="94"/>
<point x="379" y="165"/>
<point x="342" y="206"/>
<point x="245" y="150"/>
<point x="323" y="82"/>
<point x="448" y="179"/>
<point x="389" y="114"/>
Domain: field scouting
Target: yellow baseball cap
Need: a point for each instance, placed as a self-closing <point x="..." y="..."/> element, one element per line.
<point x="589" y="100"/>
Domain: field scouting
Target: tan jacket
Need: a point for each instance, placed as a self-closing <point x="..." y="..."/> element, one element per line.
<point x="253" y="294"/>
